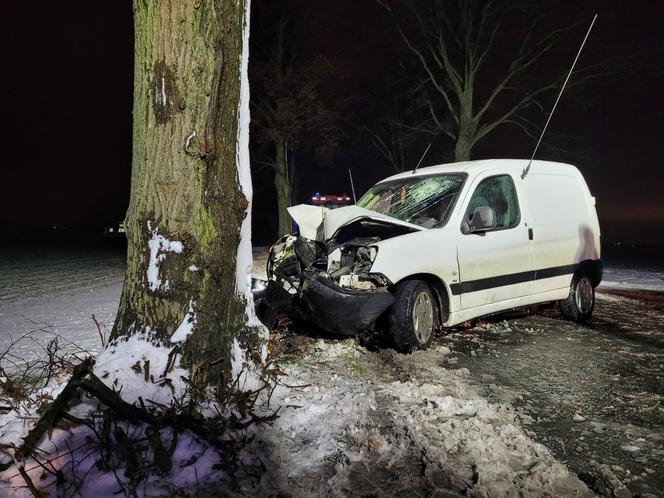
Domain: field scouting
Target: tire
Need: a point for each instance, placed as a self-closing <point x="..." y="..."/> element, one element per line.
<point x="413" y="316"/>
<point x="267" y="315"/>
<point x="579" y="305"/>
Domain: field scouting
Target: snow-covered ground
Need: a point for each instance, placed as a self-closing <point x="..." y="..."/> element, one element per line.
<point x="55" y="293"/>
<point x="393" y="425"/>
<point x="354" y="421"/>
<point x="620" y="277"/>
<point x="56" y="289"/>
<point x="350" y="422"/>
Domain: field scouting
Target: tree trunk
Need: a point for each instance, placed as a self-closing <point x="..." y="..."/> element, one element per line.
<point x="463" y="147"/>
<point x="187" y="205"/>
<point x="467" y="127"/>
<point x="283" y="187"/>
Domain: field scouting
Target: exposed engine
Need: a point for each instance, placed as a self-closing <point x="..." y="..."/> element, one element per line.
<point x="330" y="283"/>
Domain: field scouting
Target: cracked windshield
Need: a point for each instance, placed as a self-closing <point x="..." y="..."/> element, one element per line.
<point x="425" y="200"/>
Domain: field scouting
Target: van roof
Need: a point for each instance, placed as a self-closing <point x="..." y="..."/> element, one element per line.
<point x="513" y="166"/>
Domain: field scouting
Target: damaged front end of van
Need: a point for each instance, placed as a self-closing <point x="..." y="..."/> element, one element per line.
<point x="325" y="280"/>
<point x="346" y="267"/>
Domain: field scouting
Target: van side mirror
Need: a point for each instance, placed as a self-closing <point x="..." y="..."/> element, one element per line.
<point x="484" y="218"/>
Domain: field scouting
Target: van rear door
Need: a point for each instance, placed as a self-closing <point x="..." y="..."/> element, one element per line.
<point x="494" y="265"/>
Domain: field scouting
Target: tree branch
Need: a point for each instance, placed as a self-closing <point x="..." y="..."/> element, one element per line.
<point x="521" y="104"/>
<point x="422" y="59"/>
<point x="497" y="25"/>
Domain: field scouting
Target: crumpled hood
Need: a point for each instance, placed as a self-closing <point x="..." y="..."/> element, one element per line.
<point x="321" y="223"/>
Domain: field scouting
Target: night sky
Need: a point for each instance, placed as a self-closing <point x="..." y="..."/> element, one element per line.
<point x="66" y="87"/>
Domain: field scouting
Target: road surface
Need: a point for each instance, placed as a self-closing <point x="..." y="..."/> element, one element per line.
<point x="588" y="392"/>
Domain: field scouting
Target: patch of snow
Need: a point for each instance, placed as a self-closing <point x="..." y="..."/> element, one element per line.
<point x="443" y="350"/>
<point x="15" y="424"/>
<point x="374" y="428"/>
<point x="188" y="140"/>
<point x="243" y="370"/>
<point x="115" y="364"/>
<point x="195" y="467"/>
<point x="186" y="327"/>
<point x="159" y="246"/>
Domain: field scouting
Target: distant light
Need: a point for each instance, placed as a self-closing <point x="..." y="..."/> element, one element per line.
<point x="323" y="199"/>
<point x="347" y="198"/>
<point x="314" y="198"/>
<point x="317" y="194"/>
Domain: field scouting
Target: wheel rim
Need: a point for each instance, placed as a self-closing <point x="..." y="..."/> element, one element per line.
<point x="423" y="317"/>
<point x="584" y="295"/>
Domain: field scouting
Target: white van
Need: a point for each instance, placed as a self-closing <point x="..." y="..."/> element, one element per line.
<point x="441" y="246"/>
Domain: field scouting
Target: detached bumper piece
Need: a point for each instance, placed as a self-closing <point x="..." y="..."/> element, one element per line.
<point x="341" y="310"/>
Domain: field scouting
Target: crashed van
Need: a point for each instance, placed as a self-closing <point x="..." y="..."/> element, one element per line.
<point x="438" y="247"/>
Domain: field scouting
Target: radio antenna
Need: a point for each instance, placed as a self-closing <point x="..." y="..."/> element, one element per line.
<point x="422" y="158"/>
<point x="527" y="168"/>
<point x="352" y="186"/>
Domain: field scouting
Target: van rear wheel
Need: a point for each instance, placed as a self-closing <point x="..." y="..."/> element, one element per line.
<point x="413" y="316"/>
<point x="579" y="305"/>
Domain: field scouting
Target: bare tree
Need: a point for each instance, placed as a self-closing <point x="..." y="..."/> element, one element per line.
<point x="388" y="137"/>
<point x="468" y="95"/>
<point x="402" y="128"/>
<point x="288" y="106"/>
<point x="188" y="218"/>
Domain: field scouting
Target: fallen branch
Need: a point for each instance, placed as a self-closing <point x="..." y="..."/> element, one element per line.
<point x="101" y="335"/>
<point x="54" y="410"/>
<point x="31" y="486"/>
<point x="84" y="379"/>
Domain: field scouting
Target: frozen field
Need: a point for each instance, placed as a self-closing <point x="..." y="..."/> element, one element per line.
<point x="53" y="289"/>
<point x="633" y="278"/>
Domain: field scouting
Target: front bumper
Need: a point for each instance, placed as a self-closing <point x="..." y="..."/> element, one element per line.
<point x="341" y="296"/>
<point x="341" y="310"/>
<point x="322" y="302"/>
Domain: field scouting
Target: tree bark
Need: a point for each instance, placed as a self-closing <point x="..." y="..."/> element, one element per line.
<point x="462" y="147"/>
<point x="283" y="187"/>
<point x="465" y="139"/>
<point x="187" y="205"/>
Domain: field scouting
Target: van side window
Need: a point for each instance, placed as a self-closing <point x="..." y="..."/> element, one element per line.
<point x="498" y="193"/>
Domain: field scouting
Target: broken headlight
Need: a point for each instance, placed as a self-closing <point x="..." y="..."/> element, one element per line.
<point x="350" y="266"/>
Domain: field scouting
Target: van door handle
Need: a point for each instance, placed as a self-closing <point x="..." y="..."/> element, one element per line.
<point x="530" y="234"/>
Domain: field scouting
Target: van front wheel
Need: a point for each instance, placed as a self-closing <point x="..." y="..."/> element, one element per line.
<point x="580" y="303"/>
<point x="413" y="316"/>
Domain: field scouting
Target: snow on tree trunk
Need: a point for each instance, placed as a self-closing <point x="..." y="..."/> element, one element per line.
<point x="188" y="222"/>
